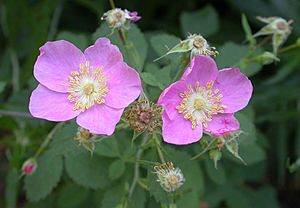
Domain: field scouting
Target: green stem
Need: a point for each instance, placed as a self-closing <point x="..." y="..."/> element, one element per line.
<point x="160" y="154"/>
<point x="15" y="114"/>
<point x="184" y="63"/>
<point x="48" y="139"/>
<point x="112" y="4"/>
<point x="287" y="48"/>
<point x="206" y="149"/>
<point x="137" y="165"/>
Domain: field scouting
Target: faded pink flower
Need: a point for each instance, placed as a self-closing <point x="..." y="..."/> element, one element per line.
<point x="94" y="86"/>
<point x="203" y="99"/>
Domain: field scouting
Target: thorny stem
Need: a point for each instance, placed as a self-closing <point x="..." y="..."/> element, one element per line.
<point x="137" y="165"/>
<point x="48" y="139"/>
<point x="15" y="114"/>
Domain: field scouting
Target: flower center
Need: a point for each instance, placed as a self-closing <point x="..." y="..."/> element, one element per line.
<point x="199" y="42"/>
<point x="87" y="87"/>
<point x="199" y="104"/>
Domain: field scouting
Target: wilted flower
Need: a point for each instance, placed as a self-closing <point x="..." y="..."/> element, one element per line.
<point x="144" y="116"/>
<point x="29" y="166"/>
<point x="203" y="99"/>
<point x="118" y="18"/>
<point x="196" y="44"/>
<point x="169" y="178"/>
<point x="94" y="86"/>
<point x="278" y="27"/>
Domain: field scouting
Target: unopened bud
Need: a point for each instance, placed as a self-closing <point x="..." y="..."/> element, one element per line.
<point x="29" y="166"/>
<point x="169" y="178"/>
<point x="266" y="58"/>
<point x="215" y="155"/>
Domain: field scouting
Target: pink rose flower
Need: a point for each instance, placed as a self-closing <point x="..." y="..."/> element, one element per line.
<point x="204" y="99"/>
<point x="94" y="86"/>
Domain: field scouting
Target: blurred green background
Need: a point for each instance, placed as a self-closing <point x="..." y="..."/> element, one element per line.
<point x="274" y="109"/>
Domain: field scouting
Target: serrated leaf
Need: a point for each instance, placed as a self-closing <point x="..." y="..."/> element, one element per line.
<point x="107" y="147"/>
<point x="45" y="178"/>
<point x="149" y="79"/>
<point x="11" y="188"/>
<point x="116" y="169"/>
<point x="86" y="170"/>
<point x="204" y="21"/>
<point x="247" y="126"/>
<point x="72" y="196"/>
<point x="113" y="196"/>
<point x="161" y="43"/>
<point x="252" y="153"/>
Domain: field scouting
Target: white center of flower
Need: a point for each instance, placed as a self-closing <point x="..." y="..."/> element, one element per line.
<point x="199" y="104"/>
<point x="87" y="87"/>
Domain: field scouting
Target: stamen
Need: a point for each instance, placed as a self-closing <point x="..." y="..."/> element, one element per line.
<point x="87" y="88"/>
<point x="199" y="104"/>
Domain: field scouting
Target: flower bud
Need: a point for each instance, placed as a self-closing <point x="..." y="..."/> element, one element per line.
<point x="144" y="116"/>
<point x="215" y="155"/>
<point x="266" y="58"/>
<point x="120" y="19"/>
<point x="170" y="178"/>
<point x="84" y="137"/>
<point x="29" y="166"/>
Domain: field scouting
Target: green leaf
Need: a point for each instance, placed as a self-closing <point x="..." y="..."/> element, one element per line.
<point x="150" y="79"/>
<point x="216" y="175"/>
<point x="11" y="188"/>
<point x="72" y="196"/>
<point x="113" y="196"/>
<point x="247" y="126"/>
<point x="48" y="173"/>
<point x="237" y="199"/>
<point x="86" y="170"/>
<point x="116" y="169"/>
<point x="252" y="153"/>
<point x="161" y="43"/>
<point x="231" y="54"/>
<point x="79" y="40"/>
<point x="107" y="147"/>
<point x="204" y="21"/>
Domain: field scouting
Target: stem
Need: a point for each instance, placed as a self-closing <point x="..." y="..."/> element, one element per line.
<point x="206" y="149"/>
<point x="112" y="4"/>
<point x="54" y="22"/>
<point x="15" y="114"/>
<point x="184" y="63"/>
<point x="48" y="139"/>
<point x="160" y="154"/>
<point x="287" y="48"/>
<point x="137" y="166"/>
<point x="262" y="42"/>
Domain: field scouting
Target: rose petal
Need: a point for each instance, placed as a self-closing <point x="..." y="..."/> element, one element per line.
<point x="103" y="54"/>
<point x="222" y="124"/>
<point x="179" y="130"/>
<point x="170" y="98"/>
<point x="124" y="85"/>
<point x="100" y="119"/>
<point x="56" y="61"/>
<point x="202" y="69"/>
<point x="235" y="87"/>
<point x="50" y="105"/>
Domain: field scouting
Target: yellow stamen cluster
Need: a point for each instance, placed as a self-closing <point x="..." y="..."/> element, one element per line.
<point x="87" y="87"/>
<point x="199" y="104"/>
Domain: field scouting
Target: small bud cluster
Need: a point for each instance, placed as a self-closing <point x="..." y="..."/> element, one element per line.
<point x="144" y="116"/>
<point x="83" y="136"/>
<point x="170" y="178"/>
<point x="120" y="19"/>
<point x="29" y="166"/>
<point x="278" y="27"/>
